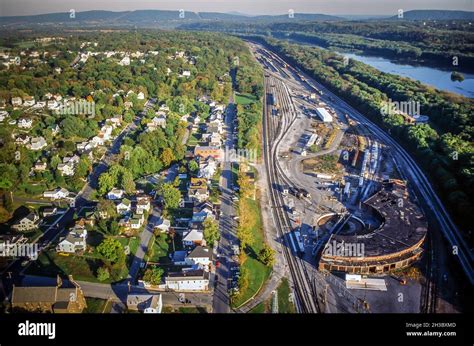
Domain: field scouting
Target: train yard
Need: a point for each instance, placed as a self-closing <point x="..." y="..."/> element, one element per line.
<point x="325" y="164"/>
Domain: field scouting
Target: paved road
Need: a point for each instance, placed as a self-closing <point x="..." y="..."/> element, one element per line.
<point x="119" y="292"/>
<point x="145" y="237"/>
<point x="227" y="224"/>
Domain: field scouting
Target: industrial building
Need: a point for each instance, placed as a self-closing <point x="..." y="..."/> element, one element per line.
<point x="324" y="115"/>
<point x="395" y="244"/>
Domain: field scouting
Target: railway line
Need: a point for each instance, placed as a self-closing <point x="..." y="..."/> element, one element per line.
<point x="273" y="135"/>
<point x="405" y="164"/>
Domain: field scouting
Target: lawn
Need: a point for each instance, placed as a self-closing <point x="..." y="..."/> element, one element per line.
<point x="284" y="304"/>
<point x="50" y="263"/>
<point x="97" y="306"/>
<point x="261" y="308"/>
<point x="160" y="247"/>
<point x="244" y="99"/>
<point x="257" y="271"/>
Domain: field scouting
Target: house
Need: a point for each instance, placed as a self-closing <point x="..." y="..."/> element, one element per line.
<point x="146" y="303"/>
<point x="27" y="223"/>
<point x="186" y="73"/>
<point x="206" y="151"/>
<point x="140" y="96"/>
<point x="28" y="101"/>
<point x="25" y="123"/>
<point x="75" y="239"/>
<point x="137" y="221"/>
<point x="115" y="194"/>
<point x="193" y="237"/>
<point x="143" y="204"/>
<point x="188" y="280"/>
<point x="52" y="104"/>
<point x="48" y="211"/>
<point x="163" y="225"/>
<point x="50" y="299"/>
<point x="22" y="139"/>
<point x="124" y="206"/>
<point x="40" y="166"/>
<point x="207" y="168"/>
<point x="3" y="115"/>
<point x="16" y="101"/>
<point x="38" y="143"/>
<point x="200" y="255"/>
<point x="198" y="190"/>
<point x="59" y="193"/>
<point x="125" y="223"/>
<point x="125" y="61"/>
<point x="66" y="169"/>
<point x="155" y="122"/>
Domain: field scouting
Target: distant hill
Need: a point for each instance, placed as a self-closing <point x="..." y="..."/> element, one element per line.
<point x="149" y="18"/>
<point x="436" y="15"/>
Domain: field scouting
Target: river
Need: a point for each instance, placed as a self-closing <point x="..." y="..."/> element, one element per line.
<point x="437" y="78"/>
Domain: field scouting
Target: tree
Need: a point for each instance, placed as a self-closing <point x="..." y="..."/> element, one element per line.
<point x="211" y="231"/>
<point x="103" y="273"/>
<point x="108" y="207"/>
<point x="111" y="250"/>
<point x="167" y="157"/>
<point x="171" y="196"/>
<point x="267" y="256"/>
<point x="153" y="275"/>
<point x="193" y="166"/>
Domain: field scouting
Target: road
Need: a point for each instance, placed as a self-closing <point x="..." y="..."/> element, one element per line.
<point x="226" y="222"/>
<point x="145" y="238"/>
<point x="119" y="292"/>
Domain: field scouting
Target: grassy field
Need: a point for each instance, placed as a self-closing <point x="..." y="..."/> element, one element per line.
<point x="284" y="304"/>
<point x="257" y="271"/>
<point x="244" y="99"/>
<point x="159" y="249"/>
<point x="97" y="306"/>
<point x="84" y="268"/>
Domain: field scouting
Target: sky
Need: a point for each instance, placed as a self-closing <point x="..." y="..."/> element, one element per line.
<point x="252" y="7"/>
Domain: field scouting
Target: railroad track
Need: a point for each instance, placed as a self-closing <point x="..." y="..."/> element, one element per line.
<point x="303" y="288"/>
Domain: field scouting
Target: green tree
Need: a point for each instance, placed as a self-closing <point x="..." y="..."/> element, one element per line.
<point x="153" y="275"/>
<point x="111" y="250"/>
<point x="267" y="256"/>
<point x="171" y="196"/>
<point x="103" y="273"/>
<point x="211" y="231"/>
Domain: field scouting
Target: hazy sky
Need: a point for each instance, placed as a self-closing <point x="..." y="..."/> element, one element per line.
<point x="355" y="7"/>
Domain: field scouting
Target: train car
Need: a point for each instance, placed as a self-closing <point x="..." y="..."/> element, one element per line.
<point x="299" y="248"/>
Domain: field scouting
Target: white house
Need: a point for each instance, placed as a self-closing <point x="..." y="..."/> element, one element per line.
<point x="28" y="101"/>
<point x="16" y="101"/>
<point x="3" y="115"/>
<point x="193" y="237"/>
<point x="59" y="193"/>
<point x="137" y="221"/>
<point x="163" y="225"/>
<point x="140" y="96"/>
<point x="115" y="194"/>
<point x="207" y="168"/>
<point x="190" y="280"/>
<point x="201" y="255"/>
<point x="25" y="123"/>
<point x="186" y="74"/>
<point x="66" y="169"/>
<point x="38" y="143"/>
<point x="146" y="303"/>
<point x="124" y="206"/>
<point x="143" y="204"/>
<point x="27" y="223"/>
<point x="75" y="240"/>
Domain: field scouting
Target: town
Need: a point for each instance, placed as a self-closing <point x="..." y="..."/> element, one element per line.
<point x="238" y="171"/>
